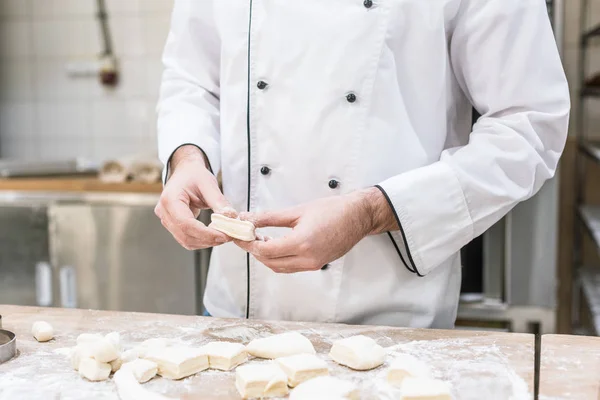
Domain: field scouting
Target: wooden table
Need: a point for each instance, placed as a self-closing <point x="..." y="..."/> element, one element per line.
<point x="479" y="365"/>
<point x="75" y="184"/>
<point x="570" y="367"/>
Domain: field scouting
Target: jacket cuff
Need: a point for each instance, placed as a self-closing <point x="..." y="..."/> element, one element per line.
<point x="432" y="212"/>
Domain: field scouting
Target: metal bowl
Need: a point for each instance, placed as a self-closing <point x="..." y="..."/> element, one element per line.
<point x="8" y="345"/>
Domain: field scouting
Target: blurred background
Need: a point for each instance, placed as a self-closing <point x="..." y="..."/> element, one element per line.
<point x="79" y="177"/>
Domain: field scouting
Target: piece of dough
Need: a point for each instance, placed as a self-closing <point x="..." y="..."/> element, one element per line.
<point x="86" y="338"/>
<point x="282" y="345"/>
<point x="325" y="388"/>
<point x="225" y="356"/>
<point x="235" y="228"/>
<point x="358" y="352"/>
<point x="79" y="352"/>
<point x="151" y="344"/>
<point x="178" y="362"/>
<point x="143" y="370"/>
<point x="116" y="365"/>
<point x="94" y="370"/>
<point x="42" y="331"/>
<point x="302" y="367"/>
<point x="260" y="380"/>
<point x="103" y="350"/>
<point x="115" y="339"/>
<point x="425" y="389"/>
<point x="130" y="389"/>
<point x="405" y="366"/>
<point x="129" y="355"/>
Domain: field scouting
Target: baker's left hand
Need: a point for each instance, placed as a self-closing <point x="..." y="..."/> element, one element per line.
<point x="322" y="231"/>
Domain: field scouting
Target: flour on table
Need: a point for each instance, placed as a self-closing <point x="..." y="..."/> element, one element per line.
<point x="405" y="366"/>
<point x="326" y="388"/>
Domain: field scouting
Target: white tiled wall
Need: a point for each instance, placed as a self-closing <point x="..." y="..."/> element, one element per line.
<point x="44" y="113"/>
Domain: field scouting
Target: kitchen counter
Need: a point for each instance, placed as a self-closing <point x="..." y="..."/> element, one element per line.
<point x="570" y="367"/>
<point x="479" y="365"/>
<point x="75" y="184"/>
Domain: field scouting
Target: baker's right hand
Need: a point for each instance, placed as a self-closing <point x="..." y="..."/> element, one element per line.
<point x="191" y="188"/>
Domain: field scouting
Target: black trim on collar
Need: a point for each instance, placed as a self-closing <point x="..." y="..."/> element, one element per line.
<point x="410" y="258"/>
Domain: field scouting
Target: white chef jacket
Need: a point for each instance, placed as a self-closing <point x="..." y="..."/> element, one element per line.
<point x="300" y="99"/>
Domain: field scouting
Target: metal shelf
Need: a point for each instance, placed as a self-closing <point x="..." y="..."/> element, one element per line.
<point x="589" y="279"/>
<point x="590" y="215"/>
<point x="592" y="150"/>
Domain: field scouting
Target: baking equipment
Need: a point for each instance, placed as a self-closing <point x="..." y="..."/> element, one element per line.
<point x="8" y="344"/>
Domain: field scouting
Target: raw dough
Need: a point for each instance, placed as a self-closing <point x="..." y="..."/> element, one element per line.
<point x="235" y="228"/>
<point x="178" y="362"/>
<point x="325" y="388"/>
<point x="143" y="370"/>
<point x="116" y="365"/>
<point x="129" y="388"/>
<point x="79" y="352"/>
<point x="129" y="355"/>
<point x="156" y="343"/>
<point x="94" y="370"/>
<point x="103" y="350"/>
<point x="115" y="339"/>
<point x="42" y="331"/>
<point x="405" y="366"/>
<point x="225" y="355"/>
<point x="282" y="345"/>
<point x="358" y="352"/>
<point x="425" y="389"/>
<point x="260" y="380"/>
<point x="302" y="367"/>
<point x="86" y="338"/>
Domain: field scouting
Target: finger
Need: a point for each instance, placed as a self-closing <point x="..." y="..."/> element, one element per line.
<point x="214" y="198"/>
<point x="290" y="265"/>
<point x="190" y="242"/>
<point x="179" y="220"/>
<point x="285" y="218"/>
<point x="275" y="248"/>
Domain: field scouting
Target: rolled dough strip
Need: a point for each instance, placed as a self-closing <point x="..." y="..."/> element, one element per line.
<point x="94" y="370"/>
<point x="282" y="345"/>
<point x="358" y="352"/>
<point x="178" y="362"/>
<point x="425" y="389"/>
<point x="225" y="356"/>
<point x="302" y="367"/>
<point x="405" y="366"/>
<point x="325" y="388"/>
<point x="260" y="380"/>
<point x="235" y="228"/>
<point x="42" y="331"/>
<point x="129" y="388"/>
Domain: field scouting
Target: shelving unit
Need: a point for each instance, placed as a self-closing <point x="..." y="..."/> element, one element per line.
<point x="587" y="221"/>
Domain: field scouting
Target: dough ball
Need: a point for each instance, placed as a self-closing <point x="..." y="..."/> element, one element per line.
<point x="116" y="365"/>
<point x="115" y="339"/>
<point x="79" y="352"/>
<point x="42" y="331"/>
<point x="103" y="350"/>
<point x="86" y="338"/>
<point x="129" y="355"/>
<point x="282" y="345"/>
<point x="142" y="370"/>
<point x="94" y="370"/>
<point x="358" y="352"/>
<point x="325" y="388"/>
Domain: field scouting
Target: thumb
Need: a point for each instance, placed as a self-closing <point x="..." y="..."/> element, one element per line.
<point x="284" y="218"/>
<point x="215" y="200"/>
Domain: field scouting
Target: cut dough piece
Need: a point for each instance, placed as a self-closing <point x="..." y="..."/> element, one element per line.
<point x="115" y="339"/>
<point x="282" y="345"/>
<point x="103" y="350"/>
<point x="86" y="338"/>
<point x="79" y="353"/>
<point x="116" y="365"/>
<point x="325" y="388"/>
<point x="178" y="362"/>
<point x="260" y="380"/>
<point x="425" y="389"/>
<point x="225" y="355"/>
<point x="143" y="370"/>
<point x="151" y="344"/>
<point x="129" y="388"/>
<point x="129" y="355"/>
<point x="94" y="370"/>
<point x="302" y="367"/>
<point x="405" y="366"/>
<point x="42" y="331"/>
<point x="358" y="352"/>
<point x="235" y="228"/>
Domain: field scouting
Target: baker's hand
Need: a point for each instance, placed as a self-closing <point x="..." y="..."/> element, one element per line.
<point x="191" y="188"/>
<point x="322" y="231"/>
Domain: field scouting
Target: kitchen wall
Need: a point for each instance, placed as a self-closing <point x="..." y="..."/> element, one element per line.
<point x="44" y="113"/>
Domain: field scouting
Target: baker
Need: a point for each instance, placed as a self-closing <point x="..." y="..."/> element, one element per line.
<point x="343" y="128"/>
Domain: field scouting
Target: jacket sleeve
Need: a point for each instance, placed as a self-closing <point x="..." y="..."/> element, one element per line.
<point x="188" y="107"/>
<point x="505" y="59"/>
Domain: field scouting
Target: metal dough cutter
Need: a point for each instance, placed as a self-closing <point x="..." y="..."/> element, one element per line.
<point x="8" y="344"/>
